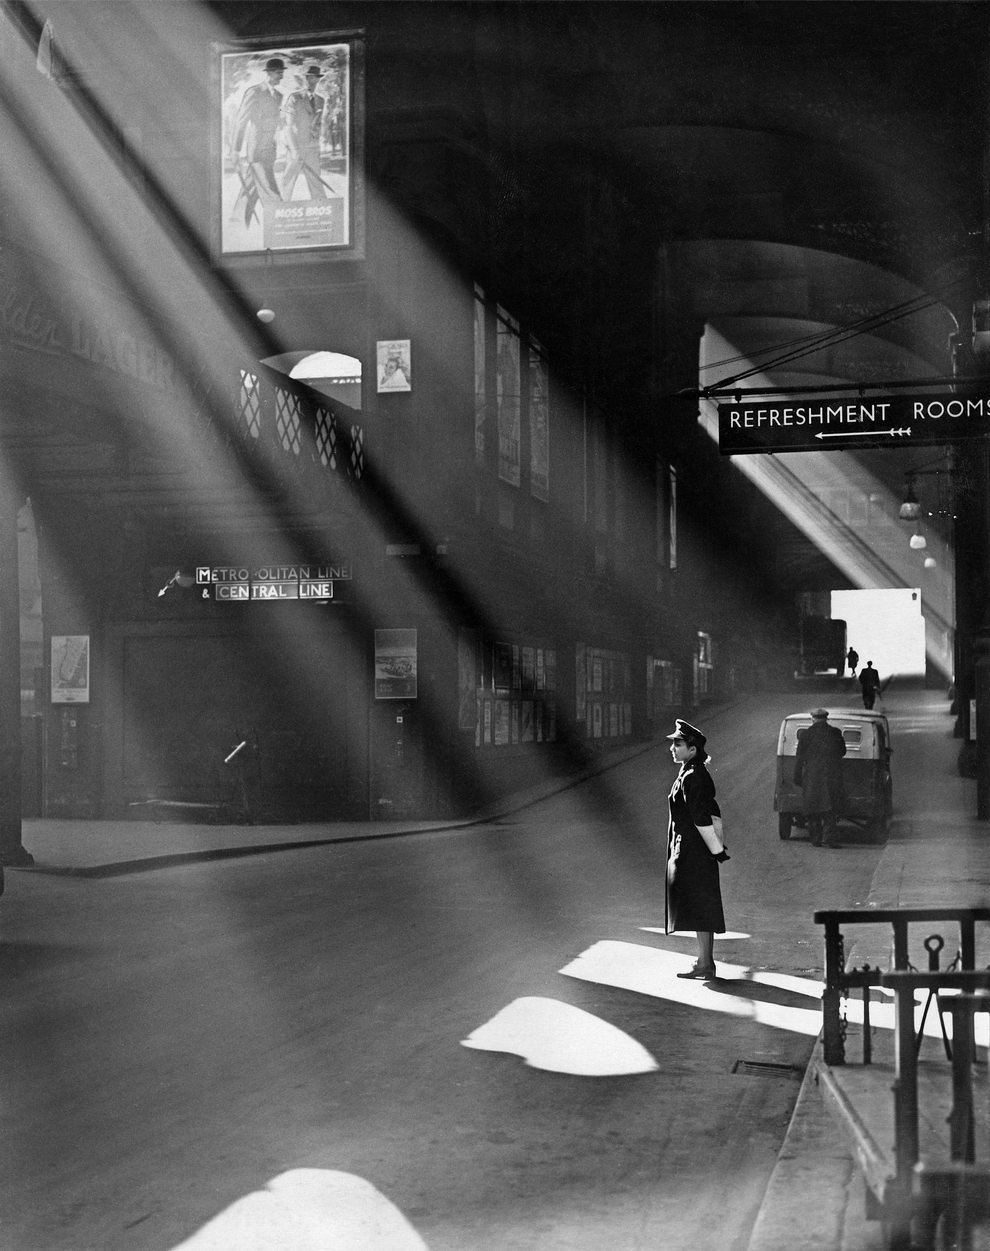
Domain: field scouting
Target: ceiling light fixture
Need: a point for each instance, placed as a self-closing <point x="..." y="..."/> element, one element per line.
<point x="910" y="509"/>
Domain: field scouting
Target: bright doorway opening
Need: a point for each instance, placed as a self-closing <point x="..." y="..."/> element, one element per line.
<point x="885" y="626"/>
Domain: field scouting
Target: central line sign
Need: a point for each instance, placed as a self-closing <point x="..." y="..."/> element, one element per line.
<point x="783" y="425"/>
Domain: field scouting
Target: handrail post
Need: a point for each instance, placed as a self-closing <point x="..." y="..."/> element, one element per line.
<point x="967" y="942"/>
<point x="839" y="982"/>
<point x="833" y="1045"/>
<point x="961" y="1136"/>
<point x="902" y="1207"/>
<point x="902" y="957"/>
<point x="905" y="1113"/>
<point x="867" y="1027"/>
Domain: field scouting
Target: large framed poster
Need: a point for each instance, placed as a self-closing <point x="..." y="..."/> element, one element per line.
<point x="288" y="147"/>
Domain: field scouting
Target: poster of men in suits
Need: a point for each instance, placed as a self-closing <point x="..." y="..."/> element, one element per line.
<point x="285" y="145"/>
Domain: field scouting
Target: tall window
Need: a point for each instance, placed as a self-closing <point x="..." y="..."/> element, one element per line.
<point x="620" y="503"/>
<point x="508" y="392"/>
<point x="516" y="689"/>
<point x="666" y="519"/>
<point x="480" y="376"/>
<point x="599" y="492"/>
<point x="704" y="666"/>
<point x="660" y="515"/>
<point x="512" y="397"/>
<point x="539" y="424"/>
<point x="603" y="692"/>
<point x="599" y="472"/>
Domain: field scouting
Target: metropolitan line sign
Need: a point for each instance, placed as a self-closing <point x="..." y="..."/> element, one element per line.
<point x="840" y="425"/>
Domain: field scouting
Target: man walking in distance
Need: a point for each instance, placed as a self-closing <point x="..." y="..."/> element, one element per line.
<point x="303" y="117"/>
<point x="818" y="771"/>
<point x="869" y="680"/>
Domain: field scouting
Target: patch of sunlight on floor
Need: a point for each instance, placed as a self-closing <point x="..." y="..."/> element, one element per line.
<point x="774" y="999"/>
<point x="560" y="1038"/>
<point x="723" y="938"/>
<point x="736" y="991"/>
<point x="309" y="1209"/>
<point x="926" y="1012"/>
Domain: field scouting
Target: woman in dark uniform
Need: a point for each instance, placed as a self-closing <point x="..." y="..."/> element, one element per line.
<point x="694" y="849"/>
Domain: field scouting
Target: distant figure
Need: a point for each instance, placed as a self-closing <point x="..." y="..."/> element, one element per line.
<point x="852" y="659"/>
<point x="818" y="771"/>
<point x="869" y="680"/>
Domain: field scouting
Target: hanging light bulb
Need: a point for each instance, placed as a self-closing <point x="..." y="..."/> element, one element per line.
<point x="266" y="314"/>
<point x="910" y="510"/>
<point x="930" y="562"/>
<point x="918" y="541"/>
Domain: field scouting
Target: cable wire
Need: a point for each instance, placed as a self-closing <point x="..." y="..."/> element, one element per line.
<point x="806" y="345"/>
<point x="819" y="336"/>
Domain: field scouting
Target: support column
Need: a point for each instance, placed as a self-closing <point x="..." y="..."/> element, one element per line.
<point x="11" y="848"/>
<point x="982" y="693"/>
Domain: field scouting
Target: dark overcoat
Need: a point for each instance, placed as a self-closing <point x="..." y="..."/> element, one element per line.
<point x="818" y="767"/>
<point x="693" y="895"/>
<point x="258" y="119"/>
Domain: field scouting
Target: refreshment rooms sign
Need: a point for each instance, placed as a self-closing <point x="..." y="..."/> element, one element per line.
<point x="786" y="425"/>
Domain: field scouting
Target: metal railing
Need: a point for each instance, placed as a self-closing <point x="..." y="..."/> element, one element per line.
<point x="937" y="1202"/>
<point x="839" y="981"/>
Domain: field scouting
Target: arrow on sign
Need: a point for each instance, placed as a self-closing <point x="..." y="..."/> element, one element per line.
<point x="864" y="434"/>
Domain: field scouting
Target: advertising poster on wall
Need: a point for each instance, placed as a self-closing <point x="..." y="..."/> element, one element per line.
<point x="502" y="666"/>
<point x="287" y="129"/>
<point x="394" y="358"/>
<point x="70" y="668"/>
<point x="395" y="664"/>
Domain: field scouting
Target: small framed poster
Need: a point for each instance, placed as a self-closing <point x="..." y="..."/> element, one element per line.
<point x="394" y="361"/>
<point x="395" y="664"/>
<point x="70" y="669"/>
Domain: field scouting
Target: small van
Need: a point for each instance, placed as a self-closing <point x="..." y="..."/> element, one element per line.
<point x="866" y="781"/>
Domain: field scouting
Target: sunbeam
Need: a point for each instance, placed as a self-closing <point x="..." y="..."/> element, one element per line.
<point x="808" y="486"/>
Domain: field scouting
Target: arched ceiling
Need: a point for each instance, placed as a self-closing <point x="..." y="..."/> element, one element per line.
<point x="800" y="166"/>
<point x="804" y="165"/>
<point x="777" y="301"/>
<point x="812" y="175"/>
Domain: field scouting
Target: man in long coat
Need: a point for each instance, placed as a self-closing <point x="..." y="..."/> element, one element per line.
<point x="255" y="133"/>
<point x="818" y="771"/>
<point x="869" y="680"/>
<point x="302" y="114"/>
